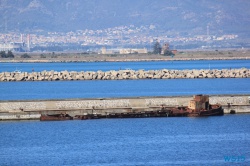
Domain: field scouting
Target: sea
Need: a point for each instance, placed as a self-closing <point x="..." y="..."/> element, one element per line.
<point x="222" y="140"/>
<point x="144" y="65"/>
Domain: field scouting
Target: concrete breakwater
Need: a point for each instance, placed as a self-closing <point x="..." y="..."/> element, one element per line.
<point x="124" y="74"/>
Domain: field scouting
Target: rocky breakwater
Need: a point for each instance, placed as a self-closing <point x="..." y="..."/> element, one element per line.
<point x="124" y="74"/>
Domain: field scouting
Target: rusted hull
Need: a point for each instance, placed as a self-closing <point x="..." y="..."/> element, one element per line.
<point x="199" y="106"/>
<point x="178" y="112"/>
<point x="212" y="112"/>
<point x="145" y="114"/>
<point x="170" y="112"/>
<point x="88" y="116"/>
<point x="55" y="117"/>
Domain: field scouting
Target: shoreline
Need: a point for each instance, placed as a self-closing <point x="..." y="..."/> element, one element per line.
<point x="181" y="55"/>
<point x="120" y="60"/>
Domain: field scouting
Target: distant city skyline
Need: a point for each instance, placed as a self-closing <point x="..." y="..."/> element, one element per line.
<point x="84" y="25"/>
<point x="122" y="36"/>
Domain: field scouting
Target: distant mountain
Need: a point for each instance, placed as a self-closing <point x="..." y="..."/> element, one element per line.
<point x="180" y="16"/>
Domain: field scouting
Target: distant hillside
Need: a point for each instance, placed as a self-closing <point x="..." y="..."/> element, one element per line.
<point x="182" y="16"/>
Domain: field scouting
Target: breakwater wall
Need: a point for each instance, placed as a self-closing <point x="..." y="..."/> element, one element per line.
<point x="124" y="74"/>
<point x="18" y="110"/>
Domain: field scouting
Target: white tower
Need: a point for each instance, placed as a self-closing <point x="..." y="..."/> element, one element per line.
<point x="208" y="31"/>
<point x="28" y="42"/>
<point x="21" y="38"/>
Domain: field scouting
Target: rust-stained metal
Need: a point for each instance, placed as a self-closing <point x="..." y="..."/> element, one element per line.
<point x="55" y="117"/>
<point x="198" y="106"/>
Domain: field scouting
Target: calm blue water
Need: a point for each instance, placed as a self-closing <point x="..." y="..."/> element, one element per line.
<point x="121" y="88"/>
<point x="105" y="66"/>
<point x="129" y="142"/>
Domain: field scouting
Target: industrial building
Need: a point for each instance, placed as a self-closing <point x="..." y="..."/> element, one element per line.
<point x="13" y="46"/>
<point x="124" y="51"/>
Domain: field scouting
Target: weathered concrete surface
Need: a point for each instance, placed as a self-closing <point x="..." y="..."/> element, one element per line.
<point x="124" y="74"/>
<point x="19" y="116"/>
<point x="32" y="109"/>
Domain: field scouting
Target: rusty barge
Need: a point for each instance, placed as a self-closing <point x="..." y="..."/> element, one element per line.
<point x="55" y="117"/>
<point x="199" y="106"/>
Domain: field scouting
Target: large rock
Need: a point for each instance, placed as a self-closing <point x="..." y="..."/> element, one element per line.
<point x="196" y="73"/>
<point x="99" y="76"/>
<point x="152" y="72"/>
<point x="157" y="76"/>
<point x="209" y="76"/>
<point x="189" y="75"/>
<point x="165" y="71"/>
<point x="79" y="76"/>
<point x="7" y="74"/>
<point x="55" y="78"/>
<point x="86" y="76"/>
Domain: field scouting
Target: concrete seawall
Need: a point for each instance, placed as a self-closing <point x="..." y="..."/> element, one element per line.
<point x="19" y="110"/>
<point x="124" y="74"/>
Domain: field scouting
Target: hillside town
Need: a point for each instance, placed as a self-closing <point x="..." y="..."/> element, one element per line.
<point x="131" y="37"/>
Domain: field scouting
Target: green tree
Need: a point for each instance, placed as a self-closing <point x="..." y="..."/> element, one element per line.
<point x="42" y="56"/>
<point x="168" y="53"/>
<point x="3" y="54"/>
<point x="25" y="56"/>
<point x="10" y="54"/>
<point x="157" y="48"/>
